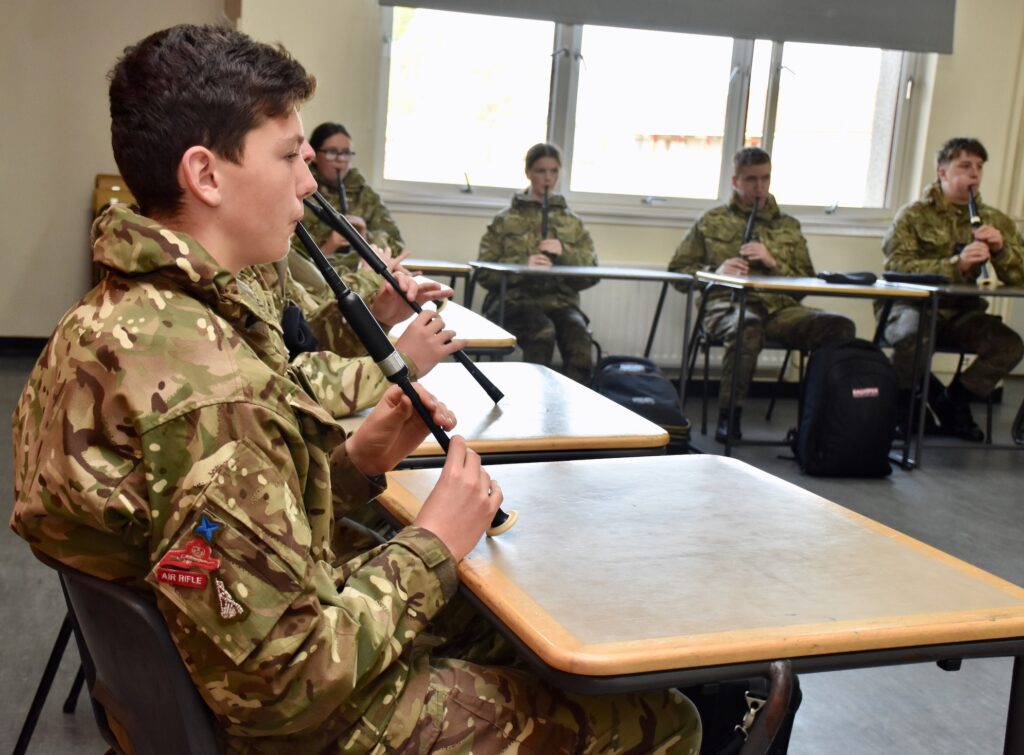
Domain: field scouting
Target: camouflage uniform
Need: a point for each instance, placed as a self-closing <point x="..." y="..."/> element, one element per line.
<point x="717" y="236"/>
<point x="923" y="239"/>
<point x="343" y="377"/>
<point x="539" y="311"/>
<point x="362" y="201"/>
<point x="164" y="443"/>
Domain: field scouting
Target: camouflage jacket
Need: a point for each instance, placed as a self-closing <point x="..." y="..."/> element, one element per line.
<point x="513" y="236"/>
<point x="362" y="201"/>
<point x="343" y="377"/>
<point x="163" y="443"/>
<point x="926" y="234"/>
<point x="718" y="234"/>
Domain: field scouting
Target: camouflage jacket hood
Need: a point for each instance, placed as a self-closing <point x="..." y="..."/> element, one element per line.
<point x="927" y="234"/>
<point x="513" y="236"/>
<point x="718" y="234"/>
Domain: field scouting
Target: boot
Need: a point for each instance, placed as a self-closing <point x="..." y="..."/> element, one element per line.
<point x="723" y="425"/>
<point x="956" y="417"/>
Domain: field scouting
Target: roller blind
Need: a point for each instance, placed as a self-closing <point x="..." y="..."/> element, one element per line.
<point x="913" y="25"/>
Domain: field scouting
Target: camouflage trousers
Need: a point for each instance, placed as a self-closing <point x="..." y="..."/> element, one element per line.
<point x="998" y="347"/>
<point x="458" y="701"/>
<point x="795" y="327"/>
<point x="537" y="327"/>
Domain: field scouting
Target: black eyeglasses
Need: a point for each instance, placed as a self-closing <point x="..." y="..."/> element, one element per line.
<point x="337" y="154"/>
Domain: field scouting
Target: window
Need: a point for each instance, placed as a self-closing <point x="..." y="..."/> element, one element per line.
<point x="462" y="88"/>
<point x="643" y="117"/>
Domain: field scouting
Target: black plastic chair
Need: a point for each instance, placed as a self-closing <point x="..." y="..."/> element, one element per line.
<point x="133" y="670"/>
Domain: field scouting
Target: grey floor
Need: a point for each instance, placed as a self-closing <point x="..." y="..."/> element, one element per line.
<point x="966" y="501"/>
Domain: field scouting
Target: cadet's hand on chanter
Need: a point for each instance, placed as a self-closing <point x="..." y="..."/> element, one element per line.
<point x="734" y="266"/>
<point x="975" y="253"/>
<point x="393" y="430"/>
<point x="390" y="306"/>
<point x="550" y="246"/>
<point x="538" y="260"/>
<point x="755" y="251"/>
<point x="991" y="237"/>
<point x="426" y="341"/>
<point x="358" y="223"/>
<point x="462" y="503"/>
<point x="333" y="243"/>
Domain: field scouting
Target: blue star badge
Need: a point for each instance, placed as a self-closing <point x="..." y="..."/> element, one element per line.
<point x="207" y="528"/>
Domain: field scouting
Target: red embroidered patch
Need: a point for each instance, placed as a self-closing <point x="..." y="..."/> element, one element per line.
<point x="179" y="578"/>
<point x="195" y="555"/>
<point x="865" y="392"/>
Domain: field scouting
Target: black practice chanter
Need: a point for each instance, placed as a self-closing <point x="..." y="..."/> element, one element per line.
<point x="972" y="211"/>
<point x="544" y="213"/>
<point x="748" y="232"/>
<point x="369" y="332"/>
<point x="342" y="195"/>
<point x="328" y="215"/>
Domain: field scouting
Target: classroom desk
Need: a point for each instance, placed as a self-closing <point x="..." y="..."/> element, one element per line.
<point x="454" y="271"/>
<point x="630" y="574"/>
<point x="506" y="269"/>
<point x="544" y="416"/>
<point x="484" y="336"/>
<point x="800" y="287"/>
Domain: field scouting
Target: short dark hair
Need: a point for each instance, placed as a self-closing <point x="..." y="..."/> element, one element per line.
<point x="537" y="151"/>
<point x="959" y="144"/>
<point x="325" y="131"/>
<point x="194" y="85"/>
<point x="749" y="156"/>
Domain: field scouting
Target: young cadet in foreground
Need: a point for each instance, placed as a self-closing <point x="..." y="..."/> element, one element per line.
<point x="937" y="234"/>
<point x="777" y="247"/>
<point x="163" y="443"/>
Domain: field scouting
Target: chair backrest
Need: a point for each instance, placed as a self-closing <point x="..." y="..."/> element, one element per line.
<point x="133" y="668"/>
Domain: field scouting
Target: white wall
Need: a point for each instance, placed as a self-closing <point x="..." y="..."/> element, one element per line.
<point x="56" y="137"/>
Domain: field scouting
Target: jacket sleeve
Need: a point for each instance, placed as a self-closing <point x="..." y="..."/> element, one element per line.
<point x="1009" y="263"/>
<point x="690" y="256"/>
<point x="276" y="638"/>
<point x="789" y="248"/>
<point x="492" y="250"/>
<point x="907" y="251"/>
<point x="379" y="224"/>
<point x="577" y="250"/>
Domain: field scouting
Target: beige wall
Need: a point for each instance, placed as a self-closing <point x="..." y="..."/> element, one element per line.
<point x="61" y="52"/>
<point x="56" y="137"/>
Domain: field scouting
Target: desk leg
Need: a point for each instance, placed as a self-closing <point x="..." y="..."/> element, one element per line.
<point x="501" y="301"/>
<point x="467" y="298"/>
<point x="1014" y="743"/>
<point x="736" y="364"/>
<point x="654" y="322"/>
<point x="684" y="364"/>
<point x="923" y="361"/>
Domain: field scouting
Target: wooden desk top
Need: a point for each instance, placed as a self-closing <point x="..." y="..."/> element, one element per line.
<point x="542" y="411"/>
<point x="643" y="564"/>
<point x="477" y="329"/>
<point x="816" y="286"/>
<point x="438" y="267"/>
<point x="590" y="271"/>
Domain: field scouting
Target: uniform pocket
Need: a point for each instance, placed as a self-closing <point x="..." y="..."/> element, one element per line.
<point x="239" y="559"/>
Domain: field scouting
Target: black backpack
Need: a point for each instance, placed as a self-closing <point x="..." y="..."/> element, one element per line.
<point x="639" y="384"/>
<point x="847" y="412"/>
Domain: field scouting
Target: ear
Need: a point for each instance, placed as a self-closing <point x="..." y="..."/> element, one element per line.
<point x="734" y="181"/>
<point x="198" y="175"/>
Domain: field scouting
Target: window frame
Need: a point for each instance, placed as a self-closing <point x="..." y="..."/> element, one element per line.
<point x="916" y="78"/>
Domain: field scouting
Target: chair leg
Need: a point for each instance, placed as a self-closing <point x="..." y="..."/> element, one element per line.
<point x="704" y="403"/>
<point x="45" y="682"/>
<point x="778" y="385"/>
<point x="75" y="692"/>
<point x="769" y="719"/>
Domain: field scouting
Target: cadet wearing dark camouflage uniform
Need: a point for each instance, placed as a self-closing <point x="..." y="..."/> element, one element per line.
<point x="934" y="235"/>
<point x="540" y="311"/>
<point x="715" y="243"/>
<point x="164" y="442"/>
